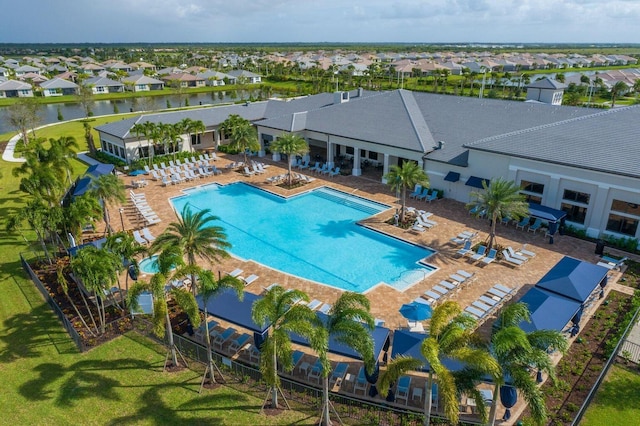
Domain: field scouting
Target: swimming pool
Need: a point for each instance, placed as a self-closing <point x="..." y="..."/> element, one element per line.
<point x="149" y="265"/>
<point x="313" y="235"/>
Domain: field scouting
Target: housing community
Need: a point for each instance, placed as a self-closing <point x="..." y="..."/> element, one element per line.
<point x="580" y="161"/>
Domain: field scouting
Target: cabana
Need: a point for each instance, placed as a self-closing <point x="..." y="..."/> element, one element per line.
<point x="407" y="343"/>
<point x="549" y="311"/>
<point x="574" y="279"/>
<point x="84" y="184"/>
<point x="555" y="218"/>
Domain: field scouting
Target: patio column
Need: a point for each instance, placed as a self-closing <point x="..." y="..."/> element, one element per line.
<point x="357" y="171"/>
<point x="552" y="192"/>
<point x="216" y="138"/>
<point x="261" y="152"/>
<point x="330" y="155"/>
<point x="598" y="211"/>
<point x="385" y="167"/>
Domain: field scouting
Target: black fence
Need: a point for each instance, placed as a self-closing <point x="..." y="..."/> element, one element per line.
<point x="302" y="397"/>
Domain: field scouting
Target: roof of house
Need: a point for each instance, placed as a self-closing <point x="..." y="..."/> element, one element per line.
<point x="101" y="81"/>
<point x="14" y="85"/>
<point x="547" y="83"/>
<point x="141" y="79"/>
<point x="581" y="141"/>
<point x="242" y="73"/>
<point x="58" y="83"/>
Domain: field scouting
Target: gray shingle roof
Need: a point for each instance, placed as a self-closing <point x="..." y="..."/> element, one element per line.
<point x="14" y="85"/>
<point x="605" y="141"/>
<point x="547" y="83"/>
<point x="58" y="83"/>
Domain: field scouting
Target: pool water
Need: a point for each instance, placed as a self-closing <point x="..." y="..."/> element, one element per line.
<point x="312" y="235"/>
<point x="149" y="265"/>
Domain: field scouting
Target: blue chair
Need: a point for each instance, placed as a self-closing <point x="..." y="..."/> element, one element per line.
<point x="423" y="194"/>
<point x="338" y="374"/>
<point x="402" y="390"/>
<point x="361" y="382"/>
<point x="536" y="225"/>
<point x="490" y="257"/>
<point x="524" y="222"/>
<point x="416" y="191"/>
<point x="480" y="253"/>
<point x="466" y="249"/>
<point x="432" y="196"/>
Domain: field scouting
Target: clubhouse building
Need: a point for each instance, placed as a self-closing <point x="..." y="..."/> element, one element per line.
<point x="585" y="162"/>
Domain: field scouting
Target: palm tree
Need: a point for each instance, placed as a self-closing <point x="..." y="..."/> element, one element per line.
<point x="281" y="310"/>
<point x="242" y="134"/>
<point x="169" y="258"/>
<point x="82" y="211"/>
<point x="209" y="287"/>
<point x="196" y="237"/>
<point x="61" y="150"/>
<point x="192" y="127"/>
<point x="126" y="247"/>
<point x="450" y="335"/>
<point x="291" y="145"/>
<point x="108" y="189"/>
<point x="518" y="351"/>
<point x="350" y="323"/>
<point x="500" y="199"/>
<point x="617" y="89"/>
<point x="407" y="176"/>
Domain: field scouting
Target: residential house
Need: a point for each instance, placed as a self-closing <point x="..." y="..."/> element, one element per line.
<point x="547" y="91"/>
<point x="213" y="78"/>
<point x="248" y="76"/>
<point x="58" y="87"/>
<point x="15" y="89"/>
<point x="101" y="85"/>
<point x="142" y="83"/>
<point x="26" y="69"/>
<point x="184" y="80"/>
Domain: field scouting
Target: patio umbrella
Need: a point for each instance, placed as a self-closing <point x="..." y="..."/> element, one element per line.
<point x="416" y="311"/>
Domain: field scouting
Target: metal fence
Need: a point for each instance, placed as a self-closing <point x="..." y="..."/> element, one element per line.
<point x="301" y="396"/>
<point x="630" y="351"/>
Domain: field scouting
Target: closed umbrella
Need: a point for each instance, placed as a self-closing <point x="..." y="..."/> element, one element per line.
<point x="416" y="311"/>
<point x="508" y="397"/>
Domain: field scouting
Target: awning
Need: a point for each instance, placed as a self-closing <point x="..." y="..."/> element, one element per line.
<point x="407" y="343"/>
<point x="545" y="213"/>
<point x="452" y="177"/>
<point x="226" y="306"/>
<point x="100" y="169"/>
<point x="573" y="278"/>
<point x="82" y="186"/>
<point x="549" y="311"/>
<point x="476" y="182"/>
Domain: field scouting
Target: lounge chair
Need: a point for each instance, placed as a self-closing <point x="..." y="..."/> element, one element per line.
<point x="251" y="278"/>
<point x="235" y="273"/>
<point x="172" y="164"/>
<point x="504" y="288"/>
<point x="163" y="166"/>
<point x="475" y="312"/>
<point x="523" y="222"/>
<point x="325" y="308"/>
<point x="220" y="339"/>
<point x="402" y="389"/>
<point x="316" y="167"/>
<point x="523" y="250"/>
<point x="239" y="343"/>
<point x="416" y="191"/>
<point x="156" y="168"/>
<point x="507" y="258"/>
<point x="155" y="175"/>
<point x="166" y="181"/>
<point x="488" y="300"/>
<point x="497" y="293"/>
<point x="480" y="253"/>
<point x="481" y="305"/>
<point x="304" y="165"/>
<point x="439" y="289"/>
<point x="256" y="170"/>
<point x="315" y="372"/>
<point x="431" y="197"/>
<point x="465" y="274"/>
<point x="514" y="254"/>
<point x="466" y="249"/>
<point x="139" y="239"/>
<point x="152" y="220"/>
<point x="209" y="325"/>
<point x="505" y="220"/>
<point x="148" y="235"/>
<point x="176" y="179"/>
<point x="535" y="226"/>
<point x="338" y="373"/>
<point x="248" y="172"/>
<point x="314" y="304"/>
<point x="336" y="172"/>
<point x="423" y="194"/>
<point x="448" y="285"/>
<point x="459" y="279"/>
<point x="490" y="257"/>
<point x="361" y="382"/>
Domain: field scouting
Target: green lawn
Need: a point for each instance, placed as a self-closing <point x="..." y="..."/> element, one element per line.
<point x="616" y="401"/>
<point x="46" y="381"/>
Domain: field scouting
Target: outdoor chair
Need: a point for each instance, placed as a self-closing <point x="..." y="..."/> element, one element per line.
<point x="239" y="343"/>
<point x="402" y="389"/>
<point x="490" y="257"/>
<point x="535" y="226"/>
<point x="361" y="382"/>
<point x="139" y="239"/>
<point x="480" y="253"/>
<point x="337" y="376"/>
<point x="523" y="222"/>
<point x="515" y="255"/>
<point x="507" y="258"/>
<point x="466" y="249"/>
<point x="416" y="191"/>
<point x="148" y="235"/>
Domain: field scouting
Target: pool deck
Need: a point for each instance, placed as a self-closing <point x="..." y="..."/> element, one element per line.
<point x="451" y="217"/>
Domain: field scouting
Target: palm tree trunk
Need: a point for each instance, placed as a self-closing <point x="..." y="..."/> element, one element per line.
<point x="492" y="234"/>
<point x="172" y="346"/>
<point x="494" y="406"/>
<point x="75" y="308"/>
<point x="289" y="164"/>
<point x="404" y="203"/>
<point x="209" y="356"/>
<point x="427" y="400"/>
<point x="86" y="305"/>
<point x="326" y="416"/>
<point x="274" y="389"/>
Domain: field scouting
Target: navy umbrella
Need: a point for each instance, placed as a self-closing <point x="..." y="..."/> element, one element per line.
<point x="415" y="311"/>
<point x="508" y="397"/>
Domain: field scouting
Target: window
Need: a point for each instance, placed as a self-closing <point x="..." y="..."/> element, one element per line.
<point x="196" y="139"/>
<point x="532" y="198"/>
<point x="574" y="213"/>
<point x="579" y="197"/>
<point x="143" y="152"/>
<point x="350" y="150"/>
<point x="122" y="152"/>
<point x="534" y="187"/>
<point x="622" y="225"/>
<point x="373" y="155"/>
<point x="624" y="207"/>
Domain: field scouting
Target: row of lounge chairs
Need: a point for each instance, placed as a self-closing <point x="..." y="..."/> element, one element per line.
<point x="324" y="169"/>
<point x="426" y="194"/>
<point x="143" y="209"/>
<point x="446" y="288"/>
<point x="480" y="254"/>
<point x="298" y="177"/>
<point x="423" y="222"/>
<point x="237" y="273"/>
<point x="525" y="222"/>
<point x="464" y="236"/>
<point x="203" y="160"/>
<point x="489" y="302"/>
<point x="256" y="169"/>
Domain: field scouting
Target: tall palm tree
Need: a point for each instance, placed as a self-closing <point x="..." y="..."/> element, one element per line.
<point x="62" y="149"/>
<point x="281" y="310"/>
<point x="209" y="287"/>
<point x="617" y="89"/>
<point x="350" y="323"/>
<point x="192" y="127"/>
<point x="291" y="145"/>
<point x="108" y="189"/>
<point x="243" y="135"/>
<point x="500" y="199"/>
<point x="196" y="237"/>
<point x="517" y="351"/>
<point x="126" y="247"/>
<point x="450" y="335"/>
<point x="407" y="176"/>
<point x="169" y="258"/>
<point x="82" y="211"/>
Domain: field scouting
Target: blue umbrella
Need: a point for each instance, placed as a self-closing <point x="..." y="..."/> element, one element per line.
<point x="416" y="311"/>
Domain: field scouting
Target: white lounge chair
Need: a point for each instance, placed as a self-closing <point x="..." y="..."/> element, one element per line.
<point x="139" y="239"/>
<point x="148" y="235"/>
<point x="251" y="278"/>
<point x="235" y="273"/>
<point x="509" y="259"/>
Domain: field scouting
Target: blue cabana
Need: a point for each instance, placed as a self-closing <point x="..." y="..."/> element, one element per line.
<point x="380" y="338"/>
<point x="549" y="311"/>
<point x="95" y="243"/>
<point x="407" y="343"/>
<point x="100" y="169"/>
<point x="82" y="186"/>
<point x="97" y="170"/>
<point x="546" y="213"/>
<point x="226" y="306"/>
<point x="574" y="279"/>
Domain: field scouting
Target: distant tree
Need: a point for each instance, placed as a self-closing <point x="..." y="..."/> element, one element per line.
<point x="23" y="116"/>
<point x="242" y="134"/>
<point x="619" y="88"/>
<point x="86" y="98"/>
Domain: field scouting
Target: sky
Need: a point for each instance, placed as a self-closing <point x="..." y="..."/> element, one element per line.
<point x="373" y="21"/>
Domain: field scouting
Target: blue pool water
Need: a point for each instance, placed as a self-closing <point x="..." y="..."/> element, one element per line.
<point x="149" y="265"/>
<point x="313" y="235"/>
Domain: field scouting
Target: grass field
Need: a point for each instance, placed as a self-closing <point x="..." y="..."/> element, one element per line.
<point x="46" y="381"/>
<point x="616" y="402"/>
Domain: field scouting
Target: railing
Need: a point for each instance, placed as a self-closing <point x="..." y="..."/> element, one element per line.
<point x="616" y="352"/>
<point x="302" y="397"/>
<point x="630" y="351"/>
